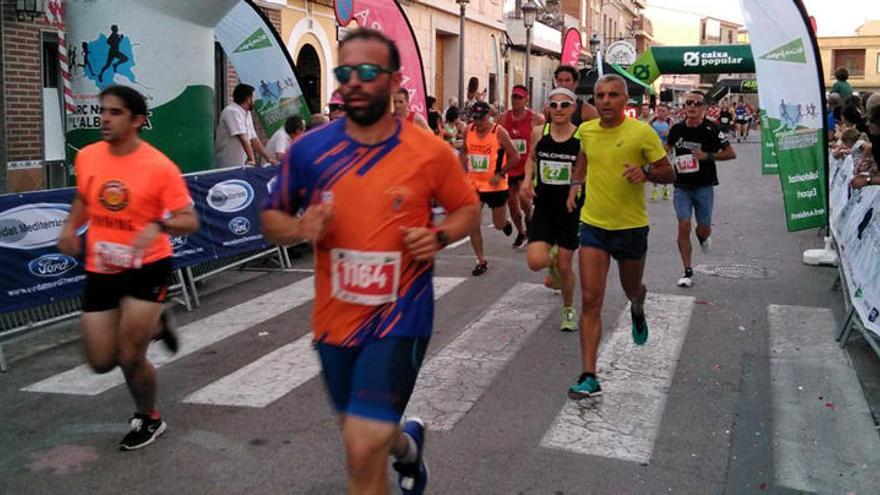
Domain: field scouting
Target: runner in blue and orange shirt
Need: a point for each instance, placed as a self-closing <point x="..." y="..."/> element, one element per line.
<point x="364" y="185"/>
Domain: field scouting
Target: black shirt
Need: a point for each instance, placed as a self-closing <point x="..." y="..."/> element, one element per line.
<point x="725" y="118"/>
<point x="553" y="168"/>
<point x="689" y="172"/>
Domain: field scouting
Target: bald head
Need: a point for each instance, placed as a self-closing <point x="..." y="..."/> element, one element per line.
<point x="615" y="79"/>
<point x="833" y="100"/>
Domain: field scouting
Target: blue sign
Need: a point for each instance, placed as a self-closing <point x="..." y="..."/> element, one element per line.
<point x="344" y="11"/>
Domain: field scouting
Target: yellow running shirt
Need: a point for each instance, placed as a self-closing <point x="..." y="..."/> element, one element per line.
<point x="612" y="203"/>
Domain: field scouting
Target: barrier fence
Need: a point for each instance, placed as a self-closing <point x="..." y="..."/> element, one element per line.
<point x="856" y="231"/>
<point x="40" y="286"/>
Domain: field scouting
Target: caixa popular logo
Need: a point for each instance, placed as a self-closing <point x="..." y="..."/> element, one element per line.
<point x="239" y="225"/>
<point x="32" y="226"/>
<point x="231" y="195"/>
<point x="51" y="265"/>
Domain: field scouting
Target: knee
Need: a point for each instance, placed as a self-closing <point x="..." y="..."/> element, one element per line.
<point x="131" y="358"/>
<point x="536" y="262"/>
<point x="361" y="455"/>
<point x="591" y="302"/>
<point x="684" y="229"/>
<point x="102" y="365"/>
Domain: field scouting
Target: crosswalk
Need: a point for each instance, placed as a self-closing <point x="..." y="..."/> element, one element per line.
<point x="623" y="424"/>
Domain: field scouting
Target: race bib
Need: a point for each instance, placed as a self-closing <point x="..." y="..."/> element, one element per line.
<point x="479" y="163"/>
<point x="555" y="173"/>
<point x="369" y="278"/>
<point x="112" y="257"/>
<point x="520" y="145"/>
<point x="686" y="164"/>
<point x="725" y="120"/>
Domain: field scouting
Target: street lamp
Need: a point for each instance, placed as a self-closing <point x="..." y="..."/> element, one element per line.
<point x="462" y="4"/>
<point x="530" y="11"/>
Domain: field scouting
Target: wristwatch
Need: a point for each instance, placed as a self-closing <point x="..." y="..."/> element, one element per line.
<point x="442" y="237"/>
<point x="647" y="171"/>
<point x="162" y="226"/>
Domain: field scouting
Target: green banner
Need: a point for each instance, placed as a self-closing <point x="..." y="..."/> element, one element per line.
<point x="699" y="59"/>
<point x="769" y="163"/>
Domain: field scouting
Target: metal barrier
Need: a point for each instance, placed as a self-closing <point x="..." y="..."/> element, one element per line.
<point x="200" y="272"/>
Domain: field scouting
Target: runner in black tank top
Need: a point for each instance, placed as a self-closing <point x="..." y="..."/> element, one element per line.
<point x="553" y="231"/>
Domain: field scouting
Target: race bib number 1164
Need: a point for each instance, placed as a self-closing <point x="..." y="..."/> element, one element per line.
<point x="369" y="278"/>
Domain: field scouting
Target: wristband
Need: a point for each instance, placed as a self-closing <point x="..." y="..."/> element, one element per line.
<point x="647" y="171"/>
<point x="441" y="236"/>
<point x="577" y="182"/>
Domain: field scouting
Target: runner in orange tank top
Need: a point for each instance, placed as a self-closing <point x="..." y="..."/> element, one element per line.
<point x="487" y="155"/>
<point x="403" y="110"/>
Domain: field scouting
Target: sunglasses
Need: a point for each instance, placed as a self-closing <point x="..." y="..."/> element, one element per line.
<point x="334" y="107"/>
<point x="365" y="72"/>
<point x="518" y="97"/>
<point x="559" y="104"/>
<point x="693" y="103"/>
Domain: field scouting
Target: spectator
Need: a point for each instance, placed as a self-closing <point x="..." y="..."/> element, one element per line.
<point x="851" y="117"/>
<point x="454" y="128"/>
<point x="864" y="96"/>
<point x="237" y="143"/>
<point x="833" y="114"/>
<point x="336" y="106"/>
<point x="841" y="86"/>
<point x="318" y="120"/>
<point x="435" y="118"/>
<point x="280" y="141"/>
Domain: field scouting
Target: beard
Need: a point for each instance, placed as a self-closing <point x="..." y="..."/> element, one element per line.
<point x="370" y="114"/>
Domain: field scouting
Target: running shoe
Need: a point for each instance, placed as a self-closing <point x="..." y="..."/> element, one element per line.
<point x="569" y="320"/>
<point x="555" y="277"/>
<point x="481" y="268"/>
<point x="639" y="328"/>
<point x="685" y="281"/>
<point x="586" y="387"/>
<point x="413" y="476"/>
<point x="705" y="244"/>
<point x="144" y="431"/>
<point x="666" y="193"/>
<point x="520" y="240"/>
<point x="654" y="194"/>
<point x="508" y="229"/>
<point x="168" y="331"/>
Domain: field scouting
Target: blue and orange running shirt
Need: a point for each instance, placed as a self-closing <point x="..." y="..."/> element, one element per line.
<point x="367" y="285"/>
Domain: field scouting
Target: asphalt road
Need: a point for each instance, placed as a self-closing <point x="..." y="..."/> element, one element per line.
<point x="740" y="389"/>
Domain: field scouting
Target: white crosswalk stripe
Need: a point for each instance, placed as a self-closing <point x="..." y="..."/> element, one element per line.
<point x="623" y="423"/>
<point x="451" y="382"/>
<point x="193" y="337"/>
<point x="281" y="371"/>
<point x="826" y="445"/>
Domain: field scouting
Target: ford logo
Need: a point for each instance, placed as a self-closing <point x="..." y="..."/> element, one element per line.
<point x="51" y="265"/>
<point x="239" y="225"/>
<point x="32" y="226"/>
<point x="178" y="241"/>
<point x="231" y="195"/>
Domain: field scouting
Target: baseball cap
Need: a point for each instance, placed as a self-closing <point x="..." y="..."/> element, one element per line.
<point x="521" y="92"/>
<point x="336" y="98"/>
<point x="480" y="109"/>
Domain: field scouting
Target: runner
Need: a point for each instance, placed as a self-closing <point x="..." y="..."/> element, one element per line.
<point x="483" y="155"/>
<point x="519" y="122"/>
<point x="740" y="128"/>
<point x="132" y="197"/>
<point x="553" y="229"/>
<point x="614" y="221"/>
<point x="366" y="182"/>
<point x="402" y="109"/>
<point x="661" y="124"/>
<point x="697" y="143"/>
<point x="750" y="120"/>
<point x="566" y="76"/>
<point x="725" y="118"/>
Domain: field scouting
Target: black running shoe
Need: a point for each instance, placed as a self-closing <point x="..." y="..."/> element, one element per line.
<point x="520" y="240"/>
<point x="508" y="229"/>
<point x="481" y="268"/>
<point x="168" y="331"/>
<point x="144" y="431"/>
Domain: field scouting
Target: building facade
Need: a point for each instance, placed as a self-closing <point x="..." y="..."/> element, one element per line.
<point x="859" y="54"/>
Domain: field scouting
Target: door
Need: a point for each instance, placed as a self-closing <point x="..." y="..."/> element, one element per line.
<point x="438" y="73"/>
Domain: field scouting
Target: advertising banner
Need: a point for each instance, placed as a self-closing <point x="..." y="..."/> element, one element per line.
<point x="571" y="47"/>
<point x="390" y="18"/>
<point x="856" y="228"/>
<point x="260" y="60"/>
<point x="698" y="59"/>
<point x="231" y="214"/>
<point x="165" y="50"/>
<point x="768" y="150"/>
<point x="792" y="102"/>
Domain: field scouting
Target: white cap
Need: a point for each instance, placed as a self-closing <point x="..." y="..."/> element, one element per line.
<point x="564" y="92"/>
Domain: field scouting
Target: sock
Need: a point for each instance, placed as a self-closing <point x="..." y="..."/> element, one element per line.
<point x="702" y="240"/>
<point x="155" y="415"/>
<point x="688" y="272"/>
<point x="412" y="451"/>
<point x="586" y="375"/>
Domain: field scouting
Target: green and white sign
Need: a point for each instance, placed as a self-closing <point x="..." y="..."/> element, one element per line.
<point x="791" y="106"/>
<point x="700" y="59"/>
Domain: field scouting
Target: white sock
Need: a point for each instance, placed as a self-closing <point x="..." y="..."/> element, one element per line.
<point x="412" y="450"/>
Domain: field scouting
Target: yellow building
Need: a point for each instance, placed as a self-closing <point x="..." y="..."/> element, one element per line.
<point x="860" y="54"/>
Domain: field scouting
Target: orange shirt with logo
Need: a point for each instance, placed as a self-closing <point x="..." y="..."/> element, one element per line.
<point x="484" y="159"/>
<point x="122" y="195"/>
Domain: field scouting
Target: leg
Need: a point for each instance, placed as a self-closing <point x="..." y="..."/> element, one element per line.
<point x="368" y="443"/>
<point x="594" y="265"/>
<point x="538" y="255"/>
<point x="564" y="263"/>
<point x="631" y="272"/>
<point x="683" y="202"/>
<point x="526" y="207"/>
<point x="476" y="236"/>
<point x="499" y="217"/>
<point x="685" y="248"/>
<point x="704" y="204"/>
<point x="100" y="330"/>
<point x="137" y="326"/>
<point x="513" y="204"/>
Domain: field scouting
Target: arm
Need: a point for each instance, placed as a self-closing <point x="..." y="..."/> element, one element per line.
<point x="421" y="122"/>
<point x="463" y="154"/>
<point x="259" y="149"/>
<point x="577" y="180"/>
<point x="537" y="119"/>
<point x="509" y="150"/>
<point x="726" y="153"/>
<point x="181" y="222"/>
<point x="284" y="229"/>
<point x="68" y="241"/>
<point x="528" y="187"/>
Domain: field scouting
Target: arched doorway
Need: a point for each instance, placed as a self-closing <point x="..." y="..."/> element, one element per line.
<point x="308" y="66"/>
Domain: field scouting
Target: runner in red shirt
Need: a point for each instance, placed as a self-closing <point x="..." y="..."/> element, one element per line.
<point x="519" y="122"/>
<point x="132" y="197"/>
<point x="403" y="110"/>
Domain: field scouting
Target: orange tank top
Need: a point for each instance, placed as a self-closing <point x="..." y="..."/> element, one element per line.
<point x="484" y="159"/>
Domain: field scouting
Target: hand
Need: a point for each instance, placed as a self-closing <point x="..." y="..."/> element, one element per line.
<point x="859" y="181"/>
<point x="571" y="202"/>
<point x="634" y="174"/>
<point x="699" y="154"/>
<point x="315" y="221"/>
<point x="68" y="243"/>
<point x="528" y="190"/>
<point x="495" y="180"/>
<point x="841" y="152"/>
<point x="147" y="236"/>
<point x="421" y="242"/>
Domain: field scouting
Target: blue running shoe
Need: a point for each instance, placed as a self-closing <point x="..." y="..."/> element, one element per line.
<point x="413" y="476"/>
<point x="586" y="387"/>
<point x="639" y="328"/>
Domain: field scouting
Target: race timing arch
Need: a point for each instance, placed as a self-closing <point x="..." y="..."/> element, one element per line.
<point x="700" y="59"/>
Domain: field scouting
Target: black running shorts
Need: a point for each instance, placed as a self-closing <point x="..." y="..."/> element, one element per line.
<point x="555" y="226"/>
<point x="149" y="283"/>
<point x="494" y="199"/>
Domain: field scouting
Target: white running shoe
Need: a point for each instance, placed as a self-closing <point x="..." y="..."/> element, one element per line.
<point x="705" y="245"/>
<point x="685" y="281"/>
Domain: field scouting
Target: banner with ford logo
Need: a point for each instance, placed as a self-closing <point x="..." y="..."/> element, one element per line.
<point x="34" y="273"/>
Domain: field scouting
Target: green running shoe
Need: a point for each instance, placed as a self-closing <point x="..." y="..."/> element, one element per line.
<point x="639" y="328"/>
<point x="585" y="388"/>
<point x="569" y="320"/>
<point x="654" y="194"/>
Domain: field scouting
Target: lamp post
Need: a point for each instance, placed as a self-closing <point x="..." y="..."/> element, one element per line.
<point x="530" y="11"/>
<point x="462" y="4"/>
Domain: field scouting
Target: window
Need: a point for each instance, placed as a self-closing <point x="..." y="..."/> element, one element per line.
<point x="493" y="83"/>
<point x="51" y="66"/>
<point x="221" y="80"/>
<point x="851" y="59"/>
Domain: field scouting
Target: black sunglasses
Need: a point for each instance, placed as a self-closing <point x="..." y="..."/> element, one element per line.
<point x="559" y="104"/>
<point x="693" y="103"/>
<point x="365" y="72"/>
